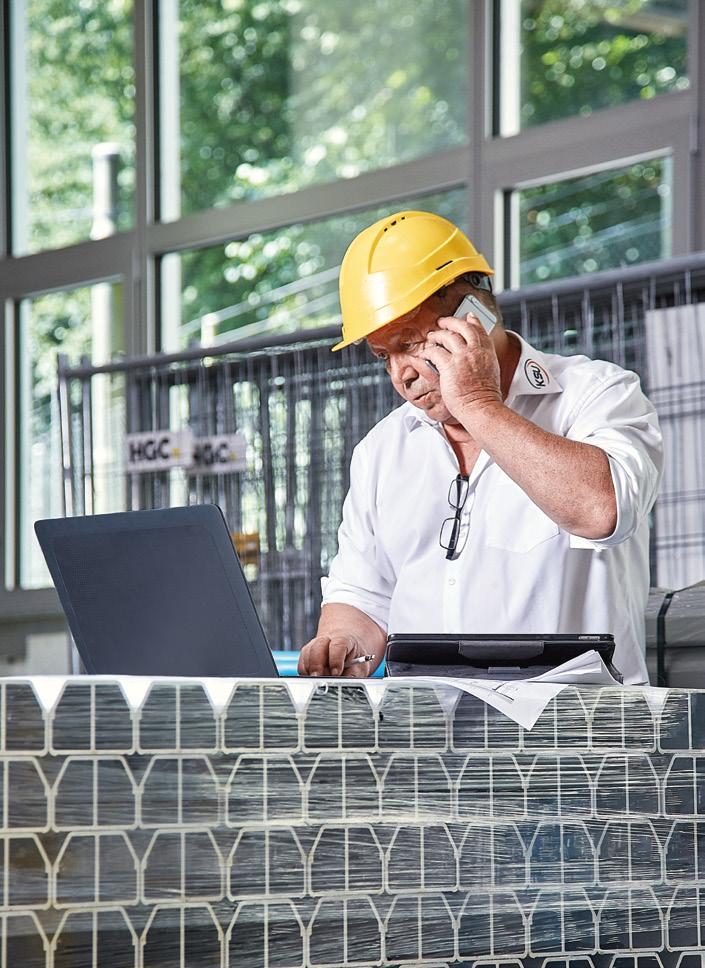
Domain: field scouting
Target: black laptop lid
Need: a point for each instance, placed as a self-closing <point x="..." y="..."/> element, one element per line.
<point x="157" y="593"/>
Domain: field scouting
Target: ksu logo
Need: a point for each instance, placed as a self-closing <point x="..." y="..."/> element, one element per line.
<point x="536" y="375"/>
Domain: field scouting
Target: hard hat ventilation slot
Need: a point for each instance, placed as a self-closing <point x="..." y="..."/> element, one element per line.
<point x="400" y="219"/>
<point x="444" y="265"/>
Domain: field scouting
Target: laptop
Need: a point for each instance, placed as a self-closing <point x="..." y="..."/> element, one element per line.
<point x="156" y="593"/>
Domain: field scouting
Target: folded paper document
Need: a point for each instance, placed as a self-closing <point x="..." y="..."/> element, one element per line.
<point x="523" y="700"/>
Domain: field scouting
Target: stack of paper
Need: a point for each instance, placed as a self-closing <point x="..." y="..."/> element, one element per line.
<point x="523" y="700"/>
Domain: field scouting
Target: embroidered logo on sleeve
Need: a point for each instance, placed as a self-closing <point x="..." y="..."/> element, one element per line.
<point x="536" y="375"/>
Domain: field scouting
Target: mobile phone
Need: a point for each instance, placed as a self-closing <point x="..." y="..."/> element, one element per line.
<point x="472" y="305"/>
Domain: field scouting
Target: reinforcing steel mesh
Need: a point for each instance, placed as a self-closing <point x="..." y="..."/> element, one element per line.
<point x="272" y="824"/>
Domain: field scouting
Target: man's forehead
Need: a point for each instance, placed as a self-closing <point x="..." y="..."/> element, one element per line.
<point x="412" y="322"/>
<point x="409" y="323"/>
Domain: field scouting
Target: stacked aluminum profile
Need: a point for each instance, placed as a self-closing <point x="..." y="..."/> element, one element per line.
<point x="232" y="823"/>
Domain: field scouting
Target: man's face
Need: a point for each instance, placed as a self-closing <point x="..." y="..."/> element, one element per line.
<point x="401" y="345"/>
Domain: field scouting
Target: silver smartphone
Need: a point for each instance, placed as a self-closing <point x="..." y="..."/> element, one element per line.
<point x="472" y="305"/>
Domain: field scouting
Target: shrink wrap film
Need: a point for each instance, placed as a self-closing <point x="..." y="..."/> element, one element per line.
<point x="286" y="824"/>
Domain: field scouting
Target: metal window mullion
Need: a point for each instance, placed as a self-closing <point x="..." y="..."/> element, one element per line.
<point x="75" y="266"/>
<point x="9" y="398"/>
<point x="525" y="163"/>
<point x="682" y="201"/>
<point x="479" y="124"/>
<point x="17" y="123"/>
<point x="5" y="134"/>
<point x="64" y="404"/>
<point x="433" y="173"/>
<point x="22" y="411"/>
<point x="141" y="297"/>
<point x="696" y="73"/>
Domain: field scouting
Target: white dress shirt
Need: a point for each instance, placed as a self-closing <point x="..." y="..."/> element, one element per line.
<point x="517" y="572"/>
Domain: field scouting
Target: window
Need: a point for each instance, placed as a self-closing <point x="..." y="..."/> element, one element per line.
<point x="225" y="152"/>
<point x="576" y="56"/>
<point x="73" y="134"/>
<point x="73" y="323"/>
<point x="273" y="96"/>
<point x="599" y="221"/>
<point x="274" y="282"/>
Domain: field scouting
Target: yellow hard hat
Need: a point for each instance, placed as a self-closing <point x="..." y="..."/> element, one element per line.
<point x="392" y="266"/>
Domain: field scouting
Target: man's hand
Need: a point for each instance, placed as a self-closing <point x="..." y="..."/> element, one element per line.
<point x="467" y="365"/>
<point x="327" y="654"/>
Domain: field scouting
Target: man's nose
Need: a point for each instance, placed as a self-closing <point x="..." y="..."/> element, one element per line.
<point x="403" y="367"/>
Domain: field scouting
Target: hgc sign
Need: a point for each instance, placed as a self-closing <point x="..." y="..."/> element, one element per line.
<point x="160" y="450"/>
<point x="220" y="454"/>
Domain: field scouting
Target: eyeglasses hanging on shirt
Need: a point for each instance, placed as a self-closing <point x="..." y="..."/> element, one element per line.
<point x="450" y="529"/>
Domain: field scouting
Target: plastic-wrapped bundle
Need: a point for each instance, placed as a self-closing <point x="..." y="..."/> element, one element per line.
<point x="293" y="823"/>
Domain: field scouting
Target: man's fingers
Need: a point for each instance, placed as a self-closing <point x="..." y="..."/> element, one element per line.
<point x="469" y="329"/>
<point x="316" y="658"/>
<point x="450" y="341"/>
<point x="338" y="652"/>
<point x="326" y="655"/>
<point x="435" y="353"/>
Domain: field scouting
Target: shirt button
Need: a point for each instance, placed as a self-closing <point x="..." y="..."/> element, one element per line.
<point x="451" y="581"/>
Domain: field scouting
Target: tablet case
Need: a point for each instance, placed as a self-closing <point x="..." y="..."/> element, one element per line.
<point x="490" y="656"/>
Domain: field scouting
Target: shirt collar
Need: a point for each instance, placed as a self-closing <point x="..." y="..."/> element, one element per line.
<point x="414" y="417"/>
<point x="532" y="377"/>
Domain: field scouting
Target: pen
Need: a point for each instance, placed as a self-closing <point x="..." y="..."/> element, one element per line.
<point x="358" y="661"/>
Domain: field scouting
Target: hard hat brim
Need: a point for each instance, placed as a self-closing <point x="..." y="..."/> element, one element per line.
<point x="442" y="278"/>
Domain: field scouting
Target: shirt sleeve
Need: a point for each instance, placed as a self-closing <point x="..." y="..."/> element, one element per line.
<point x="357" y="577"/>
<point x="619" y="418"/>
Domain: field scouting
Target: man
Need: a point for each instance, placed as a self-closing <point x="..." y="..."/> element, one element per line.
<point x="510" y="492"/>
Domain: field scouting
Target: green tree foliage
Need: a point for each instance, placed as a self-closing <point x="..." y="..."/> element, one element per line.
<point x="599" y="221"/>
<point x="58" y="323"/>
<point x="286" y="279"/>
<point x="277" y="95"/>
<point x="304" y="92"/>
<point x="79" y="93"/>
<point x="578" y="56"/>
<point x="581" y="55"/>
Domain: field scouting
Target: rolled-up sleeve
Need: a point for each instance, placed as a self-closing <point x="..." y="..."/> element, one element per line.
<point x="620" y="419"/>
<point x="357" y="576"/>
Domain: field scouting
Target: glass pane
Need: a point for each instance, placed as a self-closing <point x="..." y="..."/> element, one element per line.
<point x="281" y="94"/>
<point x="276" y="282"/>
<point x="599" y="221"/>
<point x="81" y="322"/>
<point x="73" y="106"/>
<point x="576" y="56"/>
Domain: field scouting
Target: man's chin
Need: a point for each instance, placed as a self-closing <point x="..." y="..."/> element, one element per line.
<point x="432" y="405"/>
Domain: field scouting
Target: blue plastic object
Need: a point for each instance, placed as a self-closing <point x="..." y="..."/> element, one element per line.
<point x="288" y="661"/>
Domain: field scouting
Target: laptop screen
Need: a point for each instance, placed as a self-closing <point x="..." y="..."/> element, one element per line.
<point x="156" y="593"/>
